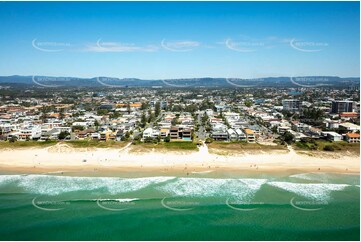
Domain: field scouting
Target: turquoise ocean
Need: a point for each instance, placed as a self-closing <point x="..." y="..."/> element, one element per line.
<point x="202" y="206"/>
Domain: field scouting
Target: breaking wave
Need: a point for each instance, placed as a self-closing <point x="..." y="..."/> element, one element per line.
<point x="315" y="191"/>
<point x="54" y="185"/>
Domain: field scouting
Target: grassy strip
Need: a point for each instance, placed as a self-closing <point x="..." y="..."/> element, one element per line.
<point x="96" y="144"/>
<point x="73" y="143"/>
<point x="237" y="146"/>
<point x="324" y="145"/>
<point x="25" y="144"/>
<point x="173" y="145"/>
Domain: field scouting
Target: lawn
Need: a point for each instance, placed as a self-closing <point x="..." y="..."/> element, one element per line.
<point x="73" y="143"/>
<point x="243" y="145"/>
<point x="96" y="144"/>
<point x="319" y="145"/>
<point x="166" y="146"/>
<point x="226" y="148"/>
<point x="25" y="144"/>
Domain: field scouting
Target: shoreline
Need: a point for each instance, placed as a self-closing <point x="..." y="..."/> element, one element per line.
<point x="62" y="158"/>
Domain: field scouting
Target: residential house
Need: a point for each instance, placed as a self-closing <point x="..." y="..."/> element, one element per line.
<point x="352" y="138"/>
<point x="241" y="135"/>
<point x="332" y="136"/>
<point x="232" y="135"/>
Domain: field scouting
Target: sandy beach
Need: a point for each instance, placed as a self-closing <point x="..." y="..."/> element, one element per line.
<point x="63" y="158"/>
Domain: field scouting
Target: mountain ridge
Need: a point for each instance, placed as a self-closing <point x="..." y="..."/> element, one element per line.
<point x="282" y="81"/>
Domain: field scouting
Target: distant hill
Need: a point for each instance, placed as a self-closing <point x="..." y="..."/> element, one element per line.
<point x="305" y="81"/>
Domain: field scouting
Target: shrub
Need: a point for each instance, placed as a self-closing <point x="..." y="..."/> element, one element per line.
<point x="167" y="139"/>
<point x="13" y="139"/>
<point x="328" y="148"/>
<point x="63" y="134"/>
<point x="209" y="140"/>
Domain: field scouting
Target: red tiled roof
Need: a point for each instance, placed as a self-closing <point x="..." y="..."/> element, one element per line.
<point x="353" y="135"/>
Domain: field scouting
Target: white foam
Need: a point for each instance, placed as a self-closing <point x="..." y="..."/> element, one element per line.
<point x="202" y="172"/>
<point x="316" y="191"/>
<point x="7" y="179"/>
<point x="120" y="200"/>
<point x="321" y="177"/>
<point x="238" y="189"/>
<point x="54" y="185"/>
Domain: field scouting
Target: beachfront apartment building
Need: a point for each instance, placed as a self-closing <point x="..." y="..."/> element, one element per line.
<point x="220" y="135"/>
<point x="148" y="133"/>
<point x="51" y="134"/>
<point x="164" y="132"/>
<point x="186" y="134"/>
<point x="174" y="132"/>
<point x="251" y="138"/>
<point x="332" y="136"/>
<point x="83" y="134"/>
<point x="178" y="132"/>
<point x="241" y="135"/>
<point x="232" y="135"/>
<point x="29" y="133"/>
<point x="107" y="135"/>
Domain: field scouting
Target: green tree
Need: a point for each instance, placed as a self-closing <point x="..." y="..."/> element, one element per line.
<point x="127" y="135"/>
<point x="143" y="120"/>
<point x="144" y="106"/>
<point x="102" y="112"/>
<point x="288" y="137"/>
<point x="63" y="135"/>
<point x="167" y="139"/>
<point x="274" y="129"/>
<point x="61" y="113"/>
<point x="248" y="103"/>
<point x="13" y="139"/>
<point x="209" y="140"/>
<point x="150" y="117"/>
<point x="313" y="116"/>
<point x="204" y="118"/>
<point x="157" y="109"/>
<point x="128" y="108"/>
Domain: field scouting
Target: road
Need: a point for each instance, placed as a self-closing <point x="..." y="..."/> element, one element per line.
<point x="201" y="133"/>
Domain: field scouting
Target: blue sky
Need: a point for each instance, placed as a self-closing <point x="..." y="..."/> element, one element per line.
<point x="180" y="40"/>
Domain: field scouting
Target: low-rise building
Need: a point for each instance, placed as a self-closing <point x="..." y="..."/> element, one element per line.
<point x="174" y="132"/>
<point x="220" y="135"/>
<point x="164" y="133"/>
<point x="352" y="138"/>
<point x="350" y="127"/>
<point x="332" y="136"/>
<point x="148" y="133"/>
<point x="251" y="138"/>
<point x="232" y="135"/>
<point x="241" y="135"/>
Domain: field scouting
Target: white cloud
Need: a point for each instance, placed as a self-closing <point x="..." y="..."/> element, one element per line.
<point x="119" y="47"/>
<point x="179" y="46"/>
<point x="239" y="46"/>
